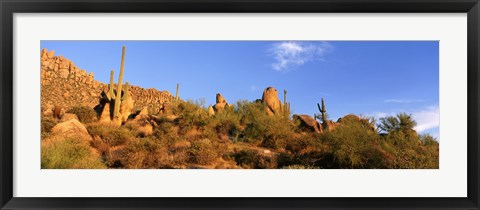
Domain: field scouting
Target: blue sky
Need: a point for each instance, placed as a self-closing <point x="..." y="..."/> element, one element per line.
<point x="373" y="78"/>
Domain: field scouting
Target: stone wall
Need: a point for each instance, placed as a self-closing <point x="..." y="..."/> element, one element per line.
<point x="65" y="85"/>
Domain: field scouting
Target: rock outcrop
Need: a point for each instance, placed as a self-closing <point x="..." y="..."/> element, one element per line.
<point x="270" y="98"/>
<point x="71" y="128"/>
<point x="142" y="123"/>
<point x="306" y="122"/>
<point x="68" y="116"/>
<point x="65" y="85"/>
<point x="220" y="105"/>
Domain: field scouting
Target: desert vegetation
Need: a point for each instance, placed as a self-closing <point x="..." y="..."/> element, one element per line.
<point x="243" y="136"/>
<point x="116" y="133"/>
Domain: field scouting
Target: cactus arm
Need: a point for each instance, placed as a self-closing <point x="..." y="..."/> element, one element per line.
<point x="110" y="91"/>
<point x="323" y="106"/>
<point x="116" y="111"/>
<point x="285" y="102"/>
<point x="176" y="92"/>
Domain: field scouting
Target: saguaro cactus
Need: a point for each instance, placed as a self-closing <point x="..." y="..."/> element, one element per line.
<point x="286" y="105"/>
<point x="110" y="91"/>
<point x="323" y="111"/>
<point x="118" y="97"/>
<point x="176" y="92"/>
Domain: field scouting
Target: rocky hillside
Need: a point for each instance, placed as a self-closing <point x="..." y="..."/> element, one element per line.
<point x="65" y="85"/>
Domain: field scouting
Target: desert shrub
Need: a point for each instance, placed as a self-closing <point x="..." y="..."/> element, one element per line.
<point x="428" y="140"/>
<point x="58" y="111"/>
<point x="205" y="151"/>
<point x="227" y="123"/>
<point x="190" y="115"/>
<point x="430" y="152"/>
<point x="85" y="114"/>
<point x="47" y="123"/>
<point x="306" y="151"/>
<point x="111" y="135"/>
<point x="300" y="167"/>
<point x="165" y="132"/>
<point x="262" y="129"/>
<point x="351" y="144"/>
<point x="304" y="144"/>
<point x="145" y="153"/>
<point x="67" y="154"/>
<point x="253" y="159"/>
<point x="411" y="150"/>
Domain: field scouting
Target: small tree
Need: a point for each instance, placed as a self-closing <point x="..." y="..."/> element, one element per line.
<point x="400" y="122"/>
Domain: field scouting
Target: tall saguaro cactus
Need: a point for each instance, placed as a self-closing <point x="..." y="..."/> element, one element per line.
<point x="286" y="105"/>
<point x="323" y="111"/>
<point x="176" y="92"/>
<point x="118" y="97"/>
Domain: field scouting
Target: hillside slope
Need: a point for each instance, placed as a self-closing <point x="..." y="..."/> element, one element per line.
<point x="64" y="84"/>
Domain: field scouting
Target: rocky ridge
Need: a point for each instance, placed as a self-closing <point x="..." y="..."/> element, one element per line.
<point x="65" y="85"/>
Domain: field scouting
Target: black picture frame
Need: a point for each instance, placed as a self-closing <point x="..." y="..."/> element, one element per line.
<point x="10" y="7"/>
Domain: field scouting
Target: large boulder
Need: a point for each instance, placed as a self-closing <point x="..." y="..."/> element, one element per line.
<point x="330" y="125"/>
<point x="106" y="106"/>
<point x="126" y="107"/>
<point x="270" y="98"/>
<point x="105" y="114"/>
<point x="142" y="123"/>
<point x="220" y="105"/>
<point x="306" y="122"/>
<point x="71" y="128"/>
<point x="47" y="110"/>
<point x="68" y="116"/>
<point x="211" y="111"/>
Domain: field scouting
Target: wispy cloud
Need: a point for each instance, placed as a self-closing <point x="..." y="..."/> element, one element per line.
<point x="403" y="101"/>
<point x="378" y="115"/>
<point x="294" y="53"/>
<point x="253" y="88"/>
<point x="427" y="118"/>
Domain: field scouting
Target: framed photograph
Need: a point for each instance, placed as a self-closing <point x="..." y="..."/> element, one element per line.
<point x="239" y="104"/>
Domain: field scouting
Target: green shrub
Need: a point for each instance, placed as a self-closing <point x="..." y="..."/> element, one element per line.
<point x="351" y="144"/>
<point x="165" y="132"/>
<point x="205" y="151"/>
<point x="190" y="115"/>
<point x="253" y="159"/>
<point x="306" y="151"/>
<point x="299" y="167"/>
<point x="68" y="154"/>
<point x="262" y="129"/>
<point x="85" y="114"/>
<point x="145" y="153"/>
<point x="47" y="123"/>
<point x="111" y="135"/>
<point x="227" y="123"/>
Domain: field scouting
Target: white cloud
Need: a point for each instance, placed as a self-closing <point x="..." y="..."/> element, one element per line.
<point x="293" y="53"/>
<point x="427" y="119"/>
<point x="253" y="88"/>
